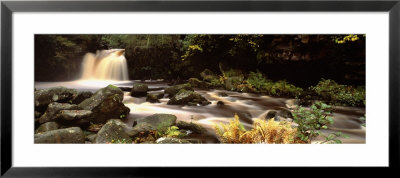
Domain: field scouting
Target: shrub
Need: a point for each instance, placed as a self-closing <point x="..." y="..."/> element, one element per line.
<point x="310" y="121"/>
<point x="333" y="93"/>
<point x="280" y="88"/>
<point x="263" y="132"/>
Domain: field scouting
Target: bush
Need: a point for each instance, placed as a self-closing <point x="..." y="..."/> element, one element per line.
<point x="280" y="88"/>
<point x="263" y="132"/>
<point x="333" y="93"/>
<point x="310" y="121"/>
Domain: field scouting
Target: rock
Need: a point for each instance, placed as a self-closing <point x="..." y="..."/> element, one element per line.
<point x="125" y="88"/>
<point x="53" y="109"/>
<point x="95" y="127"/>
<point x="220" y="103"/>
<point x="156" y="121"/>
<point x="91" y="138"/>
<point x="48" y="126"/>
<point x="74" y="114"/>
<point x="284" y="112"/>
<point x="154" y="97"/>
<point x="113" y="131"/>
<point x="67" y="135"/>
<point x="106" y="104"/>
<point x="222" y="94"/>
<point x="171" y="91"/>
<point x="271" y="114"/>
<point x="80" y="118"/>
<point x="184" y="97"/>
<point x="208" y="75"/>
<point x="141" y="127"/>
<point x="196" y="83"/>
<point x="139" y="90"/>
<point x="81" y="96"/>
<point x="195" y="128"/>
<point x="165" y="140"/>
<point x="44" y="97"/>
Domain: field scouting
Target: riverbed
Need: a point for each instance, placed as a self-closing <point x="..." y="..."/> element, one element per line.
<point x="247" y="105"/>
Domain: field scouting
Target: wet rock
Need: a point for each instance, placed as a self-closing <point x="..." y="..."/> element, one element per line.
<point x="171" y="91"/>
<point x="44" y="97"/>
<point x="125" y="88"/>
<point x="80" y="118"/>
<point x="187" y="97"/>
<point x="48" y="126"/>
<point x="154" y="97"/>
<point x="106" y="104"/>
<point x="195" y="128"/>
<point x="95" y="127"/>
<point x="113" y="130"/>
<point x="81" y="96"/>
<point x="284" y="112"/>
<point x="91" y="138"/>
<point x="142" y="127"/>
<point x="222" y="94"/>
<point x="67" y="135"/>
<point x="271" y="114"/>
<point x="156" y="121"/>
<point x="220" y="103"/>
<point x="53" y="109"/>
<point x="139" y="90"/>
<point x="208" y="75"/>
<point x="165" y="140"/>
<point x="196" y="83"/>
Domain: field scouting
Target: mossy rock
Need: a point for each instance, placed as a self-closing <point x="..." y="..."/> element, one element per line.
<point x="67" y="135"/>
<point x="114" y="130"/>
<point x="44" y="97"/>
<point x="48" y="126"/>
<point x="171" y="91"/>
<point x="196" y="83"/>
<point x="106" y="104"/>
<point x="139" y="90"/>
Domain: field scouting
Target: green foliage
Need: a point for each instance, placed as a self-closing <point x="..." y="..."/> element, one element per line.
<point x="333" y="93"/>
<point x="310" y="121"/>
<point x="332" y="138"/>
<point x="346" y="38"/>
<point x="169" y="131"/>
<point x="279" y="88"/>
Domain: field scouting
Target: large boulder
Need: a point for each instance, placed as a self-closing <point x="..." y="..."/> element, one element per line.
<point x="106" y="104"/>
<point x="196" y="83"/>
<point x="81" y="96"/>
<point x="171" y="91"/>
<point x="53" y="109"/>
<point x="48" y="126"/>
<point x="195" y="128"/>
<point x="156" y="122"/>
<point x="187" y="97"/>
<point x="139" y="90"/>
<point x="114" y="131"/>
<point x="67" y="135"/>
<point x="75" y="117"/>
<point x="208" y="75"/>
<point x="44" y="97"/>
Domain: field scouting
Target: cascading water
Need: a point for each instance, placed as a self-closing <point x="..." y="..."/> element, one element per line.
<point x="105" y="65"/>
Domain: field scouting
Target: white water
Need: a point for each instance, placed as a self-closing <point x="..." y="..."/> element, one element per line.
<point x="105" y="65"/>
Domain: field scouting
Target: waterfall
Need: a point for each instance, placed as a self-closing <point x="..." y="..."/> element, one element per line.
<point x="105" y="65"/>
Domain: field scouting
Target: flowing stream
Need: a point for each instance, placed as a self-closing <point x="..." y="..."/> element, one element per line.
<point x="248" y="106"/>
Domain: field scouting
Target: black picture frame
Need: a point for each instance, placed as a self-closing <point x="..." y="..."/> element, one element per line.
<point x="8" y="7"/>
